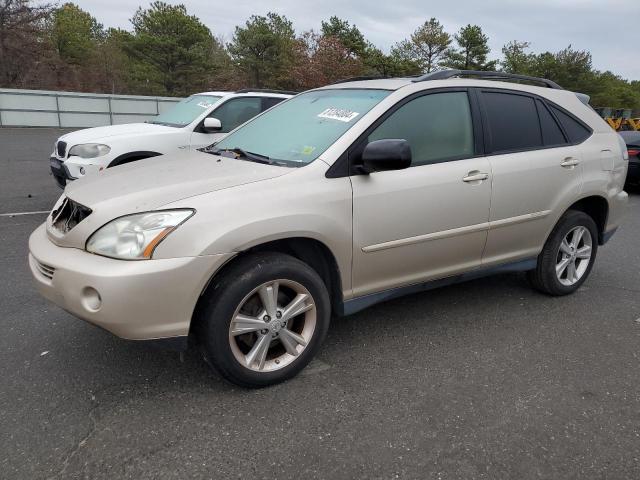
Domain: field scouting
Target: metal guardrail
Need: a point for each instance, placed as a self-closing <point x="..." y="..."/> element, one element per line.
<point x="43" y="108"/>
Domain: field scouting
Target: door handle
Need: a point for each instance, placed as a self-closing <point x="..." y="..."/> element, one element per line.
<point x="569" y="162"/>
<point x="475" y="176"/>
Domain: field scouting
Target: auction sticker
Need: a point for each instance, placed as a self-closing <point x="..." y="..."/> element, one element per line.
<point x="342" y="115"/>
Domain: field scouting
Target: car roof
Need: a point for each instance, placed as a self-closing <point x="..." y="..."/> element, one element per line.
<point x="215" y="94"/>
<point x="454" y="77"/>
<point x="253" y="93"/>
<point x="378" y="83"/>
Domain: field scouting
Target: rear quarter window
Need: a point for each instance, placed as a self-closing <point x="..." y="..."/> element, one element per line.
<point x="551" y="132"/>
<point x="574" y="129"/>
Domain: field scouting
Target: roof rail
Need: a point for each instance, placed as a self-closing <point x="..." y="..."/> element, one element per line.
<point x="360" y="78"/>
<point x="445" y="74"/>
<point x="265" y="90"/>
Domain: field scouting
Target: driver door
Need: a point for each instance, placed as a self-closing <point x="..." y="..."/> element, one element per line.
<point x="430" y="220"/>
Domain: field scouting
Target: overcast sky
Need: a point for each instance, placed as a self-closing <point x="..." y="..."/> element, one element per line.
<point x="607" y="28"/>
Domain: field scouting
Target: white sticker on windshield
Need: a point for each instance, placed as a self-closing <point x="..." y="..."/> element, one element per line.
<point x="205" y="104"/>
<point x="339" y="114"/>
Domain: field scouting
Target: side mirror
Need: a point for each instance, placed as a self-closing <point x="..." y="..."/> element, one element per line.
<point x="388" y="154"/>
<point x="212" y="124"/>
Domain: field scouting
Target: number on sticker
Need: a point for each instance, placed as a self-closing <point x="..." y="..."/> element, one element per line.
<point x="339" y="114"/>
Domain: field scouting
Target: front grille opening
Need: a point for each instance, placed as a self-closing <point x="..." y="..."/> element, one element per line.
<point x="45" y="270"/>
<point x="62" y="149"/>
<point x="68" y="215"/>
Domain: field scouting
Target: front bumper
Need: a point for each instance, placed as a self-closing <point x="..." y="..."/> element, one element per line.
<point x="65" y="171"/>
<point x="60" y="171"/>
<point x="136" y="300"/>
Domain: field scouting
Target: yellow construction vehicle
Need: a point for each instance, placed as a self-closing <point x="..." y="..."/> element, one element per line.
<point x="619" y="119"/>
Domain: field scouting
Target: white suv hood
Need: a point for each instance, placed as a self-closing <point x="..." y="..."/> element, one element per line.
<point x="151" y="183"/>
<point x="101" y="134"/>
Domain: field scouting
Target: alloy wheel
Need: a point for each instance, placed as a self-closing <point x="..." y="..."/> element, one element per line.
<point x="272" y="325"/>
<point x="574" y="255"/>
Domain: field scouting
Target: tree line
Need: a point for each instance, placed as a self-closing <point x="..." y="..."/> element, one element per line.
<point x="167" y="51"/>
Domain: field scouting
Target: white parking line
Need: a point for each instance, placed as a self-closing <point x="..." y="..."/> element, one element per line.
<point x="17" y="214"/>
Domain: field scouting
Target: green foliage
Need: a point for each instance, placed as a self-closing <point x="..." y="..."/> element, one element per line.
<point x="349" y="35"/>
<point x="173" y="51"/>
<point x="393" y="65"/>
<point x="472" y="52"/>
<point x="75" y="33"/>
<point x="426" y="47"/>
<point x="169" y="52"/>
<point x="516" y="59"/>
<point x="264" y="49"/>
<point x="573" y="70"/>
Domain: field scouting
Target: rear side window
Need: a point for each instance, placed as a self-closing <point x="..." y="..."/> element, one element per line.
<point x="437" y="126"/>
<point x="513" y="122"/>
<point x="576" y="131"/>
<point x="551" y="132"/>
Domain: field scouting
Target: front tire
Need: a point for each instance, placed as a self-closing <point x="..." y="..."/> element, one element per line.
<point x="568" y="255"/>
<point x="264" y="319"/>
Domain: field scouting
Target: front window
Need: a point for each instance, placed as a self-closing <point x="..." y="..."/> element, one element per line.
<point x="237" y="111"/>
<point x="186" y="111"/>
<point x="299" y="130"/>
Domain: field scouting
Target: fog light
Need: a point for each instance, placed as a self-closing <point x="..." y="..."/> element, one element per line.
<point x="91" y="299"/>
<point x="81" y="170"/>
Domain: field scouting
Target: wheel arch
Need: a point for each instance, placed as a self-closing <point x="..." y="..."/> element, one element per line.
<point x="309" y="250"/>
<point x="597" y="207"/>
<point x="132" y="157"/>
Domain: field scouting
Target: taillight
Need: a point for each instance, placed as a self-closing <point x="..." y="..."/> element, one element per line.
<point x="634" y="152"/>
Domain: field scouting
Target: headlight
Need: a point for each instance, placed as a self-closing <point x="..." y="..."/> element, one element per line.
<point x="89" y="150"/>
<point x="135" y="237"/>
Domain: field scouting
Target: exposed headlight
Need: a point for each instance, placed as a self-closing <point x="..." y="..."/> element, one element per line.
<point x="89" y="150"/>
<point x="135" y="237"/>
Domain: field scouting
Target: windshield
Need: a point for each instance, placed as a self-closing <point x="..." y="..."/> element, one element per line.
<point x="186" y="111"/>
<point x="301" y="129"/>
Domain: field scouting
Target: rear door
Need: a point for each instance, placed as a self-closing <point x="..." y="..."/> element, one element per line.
<point x="536" y="172"/>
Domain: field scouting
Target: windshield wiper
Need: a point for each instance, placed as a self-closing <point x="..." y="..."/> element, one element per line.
<point x="253" y="157"/>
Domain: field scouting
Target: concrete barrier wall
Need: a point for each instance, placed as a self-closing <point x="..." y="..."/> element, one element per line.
<point x="41" y="108"/>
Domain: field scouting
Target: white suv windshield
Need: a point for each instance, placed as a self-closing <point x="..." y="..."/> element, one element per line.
<point x="186" y="111"/>
<point x="301" y="129"/>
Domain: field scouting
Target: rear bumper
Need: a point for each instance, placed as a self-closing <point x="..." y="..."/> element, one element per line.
<point x="617" y="209"/>
<point x="633" y="173"/>
<point x="136" y="300"/>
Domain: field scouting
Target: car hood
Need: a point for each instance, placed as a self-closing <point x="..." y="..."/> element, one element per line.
<point x="100" y="134"/>
<point x="151" y="183"/>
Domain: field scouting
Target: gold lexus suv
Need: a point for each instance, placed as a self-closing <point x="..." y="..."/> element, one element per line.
<point x="332" y="201"/>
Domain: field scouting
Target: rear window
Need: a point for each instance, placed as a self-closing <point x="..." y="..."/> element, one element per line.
<point x="575" y="130"/>
<point x="513" y="122"/>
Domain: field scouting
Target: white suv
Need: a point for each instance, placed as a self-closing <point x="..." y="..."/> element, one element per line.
<point x="195" y="122"/>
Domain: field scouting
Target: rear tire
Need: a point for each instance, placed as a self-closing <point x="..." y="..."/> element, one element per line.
<point x="264" y="319"/>
<point x="568" y="255"/>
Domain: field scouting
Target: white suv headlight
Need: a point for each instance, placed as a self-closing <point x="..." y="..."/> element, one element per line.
<point x="135" y="237"/>
<point x="89" y="150"/>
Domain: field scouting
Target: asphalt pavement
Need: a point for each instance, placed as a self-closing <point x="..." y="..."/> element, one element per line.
<point x="486" y="379"/>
